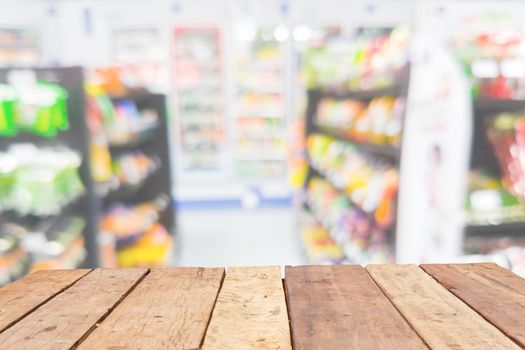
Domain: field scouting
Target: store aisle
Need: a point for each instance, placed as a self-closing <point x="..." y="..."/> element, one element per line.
<point x="238" y="237"/>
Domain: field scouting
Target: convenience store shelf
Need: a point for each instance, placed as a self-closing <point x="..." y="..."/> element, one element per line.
<point x="315" y="172"/>
<point x="488" y="106"/>
<point x="342" y="94"/>
<point x="75" y="137"/>
<point x="384" y="151"/>
<point x="141" y="140"/>
<point x="503" y="222"/>
<point x="503" y="229"/>
<point x="329" y="227"/>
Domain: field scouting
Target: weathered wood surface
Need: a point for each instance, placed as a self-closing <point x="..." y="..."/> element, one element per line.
<point x="64" y="320"/>
<point x="169" y="309"/>
<point x="494" y="292"/>
<point x="452" y="306"/>
<point x="441" y="319"/>
<point x="341" y="307"/>
<point x="250" y="312"/>
<point x="23" y="296"/>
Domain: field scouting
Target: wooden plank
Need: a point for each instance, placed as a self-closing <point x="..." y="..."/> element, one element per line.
<point x="494" y="292"/>
<point x="441" y="319"/>
<point x="340" y="307"/>
<point x="250" y="312"/>
<point x="19" y="298"/>
<point x="64" y="320"/>
<point x="169" y="309"/>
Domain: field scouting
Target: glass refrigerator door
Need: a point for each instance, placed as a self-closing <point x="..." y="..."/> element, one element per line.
<point x="140" y="58"/>
<point x="199" y="99"/>
<point x="259" y="70"/>
<point x="19" y="46"/>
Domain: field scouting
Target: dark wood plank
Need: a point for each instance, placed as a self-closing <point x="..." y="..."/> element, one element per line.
<point x="64" y="320"/>
<point x="169" y="309"/>
<point x="340" y="307"/>
<point x="441" y="319"/>
<point x="250" y="312"/>
<point x="19" y="298"/>
<point x="494" y="292"/>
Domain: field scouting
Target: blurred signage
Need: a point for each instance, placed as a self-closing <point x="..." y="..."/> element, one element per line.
<point x="435" y="157"/>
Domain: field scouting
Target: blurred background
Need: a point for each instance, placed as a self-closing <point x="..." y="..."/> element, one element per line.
<point x="250" y="132"/>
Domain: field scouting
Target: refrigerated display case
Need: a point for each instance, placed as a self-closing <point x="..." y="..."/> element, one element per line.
<point x="141" y="57"/>
<point x="259" y="106"/>
<point x="19" y="46"/>
<point x="199" y="99"/>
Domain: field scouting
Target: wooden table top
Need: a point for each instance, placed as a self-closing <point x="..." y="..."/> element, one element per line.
<point x="460" y="306"/>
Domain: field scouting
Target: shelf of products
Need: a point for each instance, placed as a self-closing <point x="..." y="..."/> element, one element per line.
<point x="492" y="57"/>
<point x="260" y="121"/>
<point x="490" y="205"/>
<point x="376" y="122"/>
<point x="493" y="61"/>
<point x="495" y="203"/>
<point x="199" y="74"/>
<point x="358" y="59"/>
<point x="39" y="181"/>
<point x="47" y="198"/>
<point x="14" y="260"/>
<point x="358" y="80"/>
<point x="320" y="248"/>
<point x="506" y="133"/>
<point x="132" y="235"/>
<point x="371" y="183"/>
<point x="133" y="179"/>
<point x="360" y="238"/>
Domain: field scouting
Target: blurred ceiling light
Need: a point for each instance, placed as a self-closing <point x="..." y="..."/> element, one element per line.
<point x="281" y="33"/>
<point x="245" y="31"/>
<point x="302" y="33"/>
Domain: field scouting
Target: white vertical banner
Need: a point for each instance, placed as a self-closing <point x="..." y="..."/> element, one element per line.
<point x="435" y="157"/>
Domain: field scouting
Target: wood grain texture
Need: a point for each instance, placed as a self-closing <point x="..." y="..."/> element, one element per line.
<point x="169" y="309"/>
<point x="494" y="292"/>
<point x="19" y="298"/>
<point x="250" y="312"/>
<point x="341" y="307"/>
<point x="62" y="321"/>
<point x="441" y="319"/>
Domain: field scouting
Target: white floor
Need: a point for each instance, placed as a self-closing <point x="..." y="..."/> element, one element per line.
<point x="222" y="238"/>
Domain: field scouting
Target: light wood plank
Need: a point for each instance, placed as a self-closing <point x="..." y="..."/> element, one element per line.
<point x="250" y="312"/>
<point x="441" y="319"/>
<point x="169" y="309"/>
<point x="341" y="307"/>
<point x="494" y="292"/>
<point x="66" y="318"/>
<point x="20" y="298"/>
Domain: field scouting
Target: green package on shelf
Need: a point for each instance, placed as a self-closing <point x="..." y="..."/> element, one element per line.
<point x="7" y="110"/>
<point x="107" y="108"/>
<point x="38" y="181"/>
<point x="59" y="108"/>
<point x="42" y="109"/>
<point x="7" y="177"/>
